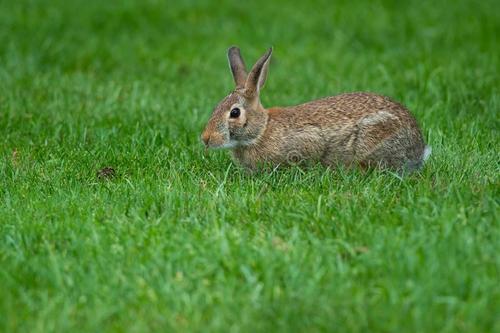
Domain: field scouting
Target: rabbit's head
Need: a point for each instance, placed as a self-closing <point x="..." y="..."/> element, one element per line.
<point x="239" y="119"/>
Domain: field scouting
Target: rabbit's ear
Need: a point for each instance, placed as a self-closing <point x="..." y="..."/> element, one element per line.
<point x="237" y="66"/>
<point x="258" y="75"/>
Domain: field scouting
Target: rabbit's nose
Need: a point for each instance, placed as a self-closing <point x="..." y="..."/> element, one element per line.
<point x="205" y="137"/>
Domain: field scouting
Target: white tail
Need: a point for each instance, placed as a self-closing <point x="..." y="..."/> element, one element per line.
<point x="427" y="153"/>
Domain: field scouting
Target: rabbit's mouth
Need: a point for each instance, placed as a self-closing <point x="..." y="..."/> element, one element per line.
<point x="218" y="142"/>
<point x="213" y="139"/>
<point x="225" y="145"/>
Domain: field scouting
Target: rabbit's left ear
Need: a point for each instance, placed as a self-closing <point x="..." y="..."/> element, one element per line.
<point x="258" y="75"/>
<point x="237" y="66"/>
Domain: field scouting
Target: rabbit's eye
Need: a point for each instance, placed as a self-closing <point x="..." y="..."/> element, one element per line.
<point x="235" y="113"/>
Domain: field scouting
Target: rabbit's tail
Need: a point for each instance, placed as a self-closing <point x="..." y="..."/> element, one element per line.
<point x="416" y="165"/>
<point x="427" y="153"/>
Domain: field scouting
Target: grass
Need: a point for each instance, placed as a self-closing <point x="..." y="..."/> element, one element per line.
<point x="183" y="241"/>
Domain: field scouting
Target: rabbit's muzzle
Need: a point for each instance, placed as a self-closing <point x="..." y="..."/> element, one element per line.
<point x="212" y="139"/>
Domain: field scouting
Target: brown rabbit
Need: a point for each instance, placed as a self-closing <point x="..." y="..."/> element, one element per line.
<point x="351" y="129"/>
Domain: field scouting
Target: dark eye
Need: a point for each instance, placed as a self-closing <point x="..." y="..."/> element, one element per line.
<point x="235" y="113"/>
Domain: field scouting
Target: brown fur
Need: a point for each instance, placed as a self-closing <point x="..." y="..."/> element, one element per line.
<point x="351" y="129"/>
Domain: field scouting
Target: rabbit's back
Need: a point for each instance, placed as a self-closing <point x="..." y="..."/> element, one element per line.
<point x="343" y="110"/>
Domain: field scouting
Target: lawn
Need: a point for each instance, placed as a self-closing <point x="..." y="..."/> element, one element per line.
<point x="180" y="240"/>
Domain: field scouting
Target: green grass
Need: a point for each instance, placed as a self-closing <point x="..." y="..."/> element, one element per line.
<point x="184" y="241"/>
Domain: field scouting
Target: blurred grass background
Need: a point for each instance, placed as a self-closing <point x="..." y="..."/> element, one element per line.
<point x="184" y="241"/>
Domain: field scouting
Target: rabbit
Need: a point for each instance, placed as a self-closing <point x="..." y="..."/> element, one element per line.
<point x="357" y="129"/>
